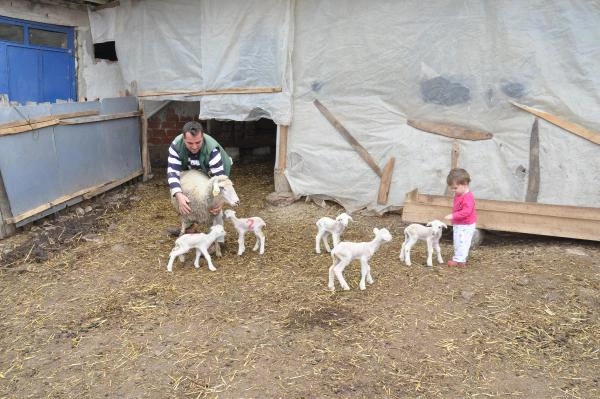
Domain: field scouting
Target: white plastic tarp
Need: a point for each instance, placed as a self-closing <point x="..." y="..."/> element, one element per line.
<point x="376" y="64"/>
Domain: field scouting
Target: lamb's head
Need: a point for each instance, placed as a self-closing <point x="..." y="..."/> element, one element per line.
<point x="218" y="231"/>
<point x="222" y="186"/>
<point x="382" y="234"/>
<point x="228" y="213"/>
<point x="436" y="227"/>
<point x="344" y="218"/>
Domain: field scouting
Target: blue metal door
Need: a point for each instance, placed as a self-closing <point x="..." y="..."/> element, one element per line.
<point x="36" y="61"/>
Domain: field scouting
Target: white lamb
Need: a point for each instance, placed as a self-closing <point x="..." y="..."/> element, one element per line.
<point x="345" y="252"/>
<point x="242" y="225"/>
<point x="204" y="194"/>
<point x="430" y="234"/>
<point x="201" y="242"/>
<point x="328" y="226"/>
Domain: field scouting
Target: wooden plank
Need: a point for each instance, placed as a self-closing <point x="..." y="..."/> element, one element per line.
<point x="364" y="154"/>
<point x="282" y="149"/>
<point x="27" y="128"/>
<point x="110" y="185"/>
<point x="24" y="122"/>
<point x="386" y="180"/>
<point x="571" y="127"/>
<point x="533" y="179"/>
<point x="450" y="130"/>
<point x="146" y="166"/>
<point x="6" y="228"/>
<point x="86" y="193"/>
<point x="99" y="118"/>
<point x="455" y="153"/>
<point x="518" y="217"/>
<point x="211" y="92"/>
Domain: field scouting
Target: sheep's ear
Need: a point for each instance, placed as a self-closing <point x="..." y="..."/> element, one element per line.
<point x="216" y="189"/>
<point x="428" y="224"/>
<point x="444" y="224"/>
<point x="375" y="230"/>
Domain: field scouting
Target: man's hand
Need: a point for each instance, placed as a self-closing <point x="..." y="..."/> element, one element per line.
<point x="183" y="201"/>
<point x="216" y="209"/>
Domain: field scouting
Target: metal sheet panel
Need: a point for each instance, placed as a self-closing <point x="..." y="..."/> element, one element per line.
<point x="41" y="166"/>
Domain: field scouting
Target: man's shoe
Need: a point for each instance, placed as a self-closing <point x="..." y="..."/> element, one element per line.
<point x="452" y="263"/>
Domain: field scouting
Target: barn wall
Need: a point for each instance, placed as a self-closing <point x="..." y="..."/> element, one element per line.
<point x="95" y="79"/>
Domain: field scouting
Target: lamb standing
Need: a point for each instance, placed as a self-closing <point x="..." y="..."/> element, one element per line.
<point x="201" y="242"/>
<point x="345" y="252"/>
<point x="430" y="234"/>
<point x="242" y="225"/>
<point x="204" y="194"/>
<point x="327" y="226"/>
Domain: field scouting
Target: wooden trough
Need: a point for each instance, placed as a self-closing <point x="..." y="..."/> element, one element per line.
<point x="517" y="217"/>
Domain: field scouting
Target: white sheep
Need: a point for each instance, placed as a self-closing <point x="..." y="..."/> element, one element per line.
<point x="328" y="226"/>
<point x="345" y="252"/>
<point x="205" y="194"/>
<point x="430" y="234"/>
<point x="201" y="242"/>
<point x="242" y="225"/>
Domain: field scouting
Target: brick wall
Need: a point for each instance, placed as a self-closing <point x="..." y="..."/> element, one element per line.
<point x="246" y="137"/>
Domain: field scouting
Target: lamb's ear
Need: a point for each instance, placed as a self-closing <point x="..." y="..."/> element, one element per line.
<point x="428" y="224"/>
<point x="444" y="224"/>
<point x="375" y="230"/>
<point x="216" y="189"/>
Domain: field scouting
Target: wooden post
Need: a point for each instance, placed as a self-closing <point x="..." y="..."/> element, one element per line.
<point x="6" y="228"/>
<point x="454" y="159"/>
<point x="533" y="180"/>
<point x="281" y="183"/>
<point x="146" y="167"/>
<point x="386" y="180"/>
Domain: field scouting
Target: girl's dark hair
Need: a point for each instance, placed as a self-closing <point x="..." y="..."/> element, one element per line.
<point x="458" y="176"/>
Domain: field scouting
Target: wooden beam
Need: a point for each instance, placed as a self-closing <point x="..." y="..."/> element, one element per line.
<point x="99" y="118"/>
<point x="27" y="128"/>
<point x="86" y="193"/>
<point x="282" y="149"/>
<point x="6" y="228"/>
<point x="533" y="178"/>
<point x="571" y="127"/>
<point x="454" y="154"/>
<point x="518" y="217"/>
<point x="362" y="151"/>
<point x="27" y="122"/>
<point x="146" y="167"/>
<point x="450" y="130"/>
<point x="211" y="92"/>
<point x="386" y="180"/>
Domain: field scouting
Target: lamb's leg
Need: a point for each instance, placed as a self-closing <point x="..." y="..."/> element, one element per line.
<point x="241" y="244"/>
<point x="218" y="219"/>
<point x="175" y="253"/>
<point x="197" y="260"/>
<point x="338" y="270"/>
<point x="403" y="252"/>
<point x="260" y="239"/>
<point x="439" y="252"/>
<point x="326" y="242"/>
<point x="429" y="252"/>
<point x="211" y="267"/>
<point x="407" y="249"/>
<point x="365" y="273"/>
<point x="331" y="283"/>
<point x="335" y="238"/>
<point x="318" y="239"/>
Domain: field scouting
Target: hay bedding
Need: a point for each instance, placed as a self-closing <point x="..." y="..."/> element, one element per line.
<point x="102" y="318"/>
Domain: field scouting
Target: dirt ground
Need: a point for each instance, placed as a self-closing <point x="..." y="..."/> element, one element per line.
<point x="90" y="311"/>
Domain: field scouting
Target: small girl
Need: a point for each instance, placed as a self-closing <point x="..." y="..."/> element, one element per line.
<point x="463" y="216"/>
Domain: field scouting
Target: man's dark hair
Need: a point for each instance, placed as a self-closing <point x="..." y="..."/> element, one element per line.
<point x="193" y="127"/>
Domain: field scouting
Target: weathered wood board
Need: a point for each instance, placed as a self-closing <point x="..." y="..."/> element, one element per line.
<point x="517" y="217"/>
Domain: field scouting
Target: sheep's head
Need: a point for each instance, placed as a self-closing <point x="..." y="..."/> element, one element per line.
<point x="344" y="218"/>
<point x="383" y="234"/>
<point x="437" y="226"/>
<point x="228" y="213"/>
<point x="222" y="185"/>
